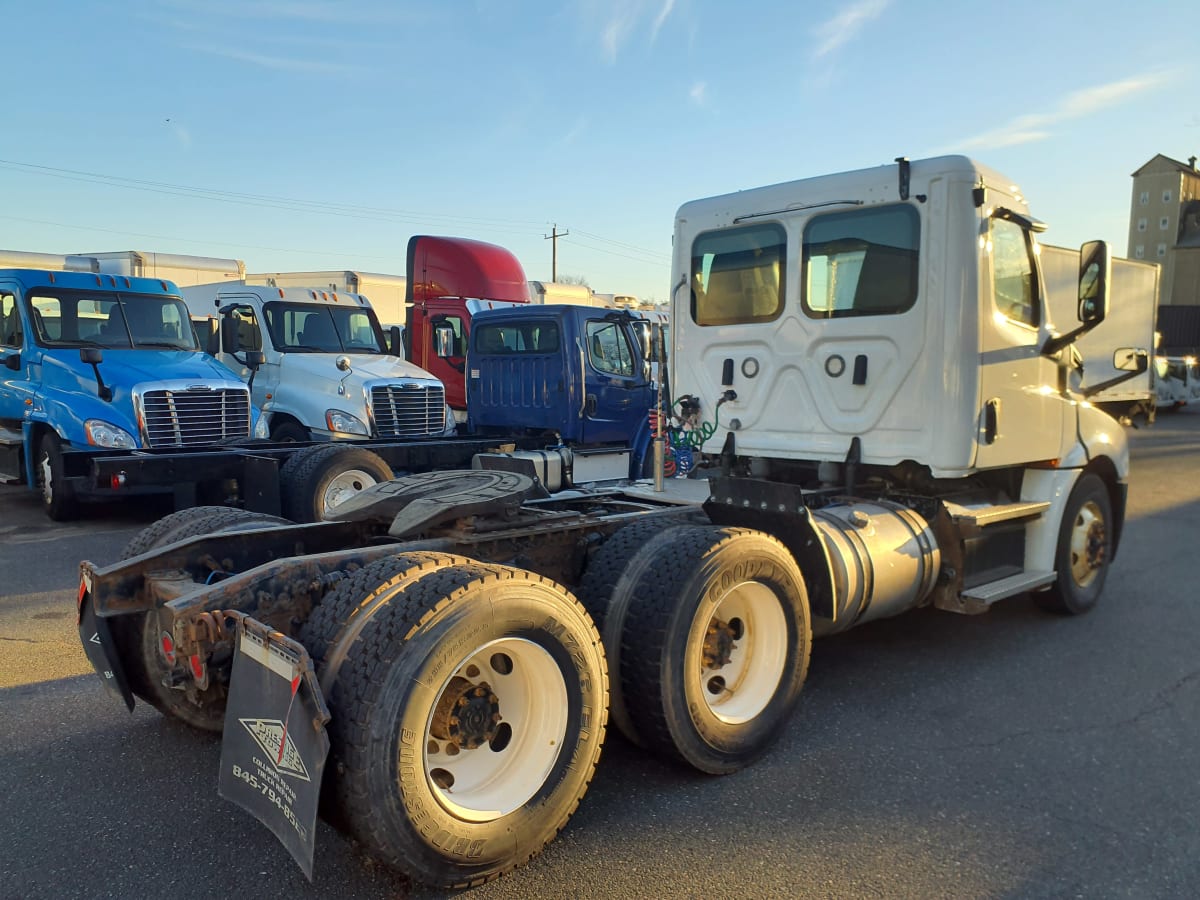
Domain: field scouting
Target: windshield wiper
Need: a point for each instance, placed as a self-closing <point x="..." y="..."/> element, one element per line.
<point x="164" y="345"/>
<point x="310" y="349"/>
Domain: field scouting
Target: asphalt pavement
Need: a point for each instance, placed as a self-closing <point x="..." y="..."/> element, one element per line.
<point x="1014" y="754"/>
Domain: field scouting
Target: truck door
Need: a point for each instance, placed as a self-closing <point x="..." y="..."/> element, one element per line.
<point x="617" y="390"/>
<point x="449" y="370"/>
<point x="15" y="388"/>
<point x="1021" y="413"/>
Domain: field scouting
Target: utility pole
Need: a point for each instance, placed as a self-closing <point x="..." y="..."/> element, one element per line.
<point x="553" y="237"/>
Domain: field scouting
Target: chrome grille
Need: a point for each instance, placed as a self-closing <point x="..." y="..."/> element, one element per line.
<point x="194" y="415"/>
<point x="408" y="410"/>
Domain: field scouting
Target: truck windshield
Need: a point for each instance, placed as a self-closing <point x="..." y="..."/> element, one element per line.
<point x="317" y="328"/>
<point x="110" y="319"/>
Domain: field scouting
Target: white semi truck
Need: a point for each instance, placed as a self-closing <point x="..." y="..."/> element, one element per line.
<point x="329" y="372"/>
<point x="886" y="418"/>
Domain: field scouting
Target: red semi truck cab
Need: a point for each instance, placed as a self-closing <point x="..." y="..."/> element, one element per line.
<point x="449" y="281"/>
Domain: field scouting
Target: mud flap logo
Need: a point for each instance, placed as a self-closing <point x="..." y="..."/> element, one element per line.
<point x="272" y="736"/>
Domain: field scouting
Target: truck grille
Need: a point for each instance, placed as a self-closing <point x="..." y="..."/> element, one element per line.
<point x="403" y="410"/>
<point x="194" y="415"/>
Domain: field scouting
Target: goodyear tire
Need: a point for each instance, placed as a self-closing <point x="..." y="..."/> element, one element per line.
<point x="1084" y="549"/>
<point x="314" y="480"/>
<point x="58" y="497"/>
<point x="338" y="619"/>
<point x="468" y="716"/>
<point x="607" y="591"/>
<point x="139" y="637"/>
<point x="715" y="647"/>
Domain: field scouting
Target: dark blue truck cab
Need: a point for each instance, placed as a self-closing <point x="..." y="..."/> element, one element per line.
<point x="581" y="373"/>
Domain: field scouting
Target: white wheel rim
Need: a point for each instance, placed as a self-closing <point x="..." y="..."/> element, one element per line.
<point x="1087" y="544"/>
<point x="47" y="478"/>
<point x="482" y="784"/>
<point x="740" y="684"/>
<point x="344" y="486"/>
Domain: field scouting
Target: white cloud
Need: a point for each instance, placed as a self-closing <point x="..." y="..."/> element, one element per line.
<point x="620" y="21"/>
<point x="834" y="33"/>
<point x="280" y="63"/>
<point x="698" y="93"/>
<point x="1030" y="127"/>
<point x="577" y="129"/>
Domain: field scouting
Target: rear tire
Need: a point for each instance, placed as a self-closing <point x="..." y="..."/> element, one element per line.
<point x="608" y="589"/>
<point x="429" y="779"/>
<point x="138" y="635"/>
<point x="316" y="479"/>
<point x="58" y="497"/>
<point x="1084" y="549"/>
<point x="715" y="649"/>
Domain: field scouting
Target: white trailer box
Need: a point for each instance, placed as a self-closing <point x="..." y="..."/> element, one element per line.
<point x="554" y="292"/>
<point x="184" y="271"/>
<point x="385" y="292"/>
<point x="51" y="262"/>
<point x="1130" y="323"/>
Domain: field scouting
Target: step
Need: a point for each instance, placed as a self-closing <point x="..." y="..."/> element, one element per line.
<point x="991" y="514"/>
<point x="1007" y="587"/>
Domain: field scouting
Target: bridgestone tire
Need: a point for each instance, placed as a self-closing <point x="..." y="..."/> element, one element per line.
<point x="1084" y="549"/>
<point x="137" y="635"/>
<point x="58" y="497"/>
<point x="453" y="636"/>
<point x="718" y="713"/>
<point x="608" y="589"/>
<point x="311" y="479"/>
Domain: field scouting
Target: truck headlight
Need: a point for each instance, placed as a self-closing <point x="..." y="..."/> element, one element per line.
<point x="262" y="428"/>
<point x="103" y="434"/>
<point x="339" y="420"/>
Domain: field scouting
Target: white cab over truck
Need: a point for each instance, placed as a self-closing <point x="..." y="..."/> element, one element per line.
<point x="385" y="292"/>
<point x="328" y="371"/>
<point x="886" y="419"/>
<point x="1133" y="307"/>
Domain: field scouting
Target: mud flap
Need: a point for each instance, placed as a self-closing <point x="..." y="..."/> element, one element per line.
<point x="274" y="749"/>
<point x="97" y="641"/>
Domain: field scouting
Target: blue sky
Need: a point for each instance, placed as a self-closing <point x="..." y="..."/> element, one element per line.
<point x="311" y="134"/>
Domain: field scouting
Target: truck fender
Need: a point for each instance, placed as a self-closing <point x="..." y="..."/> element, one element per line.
<point x="1041" y="535"/>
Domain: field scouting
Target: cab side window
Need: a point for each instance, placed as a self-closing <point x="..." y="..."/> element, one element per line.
<point x="11" y="333"/>
<point x="1014" y="285"/>
<point x="609" y="349"/>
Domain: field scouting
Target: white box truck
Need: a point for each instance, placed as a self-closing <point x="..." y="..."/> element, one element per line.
<point x="1130" y="322"/>
<point x="181" y="269"/>
<point x="328" y="371"/>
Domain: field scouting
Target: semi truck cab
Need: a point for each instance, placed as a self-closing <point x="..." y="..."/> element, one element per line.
<point x="93" y="362"/>
<point x="328" y="371"/>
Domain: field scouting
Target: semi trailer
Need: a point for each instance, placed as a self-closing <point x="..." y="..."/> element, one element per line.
<point x="886" y="418"/>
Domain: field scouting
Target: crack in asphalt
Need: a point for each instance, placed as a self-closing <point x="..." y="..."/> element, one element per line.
<point x="1158" y="703"/>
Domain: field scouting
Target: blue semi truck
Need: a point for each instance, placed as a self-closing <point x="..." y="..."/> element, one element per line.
<point x="102" y="363"/>
<point x="563" y="393"/>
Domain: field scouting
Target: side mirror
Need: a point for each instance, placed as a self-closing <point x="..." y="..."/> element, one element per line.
<point x="395" y="341"/>
<point x="230" y="339"/>
<point x="342" y="363"/>
<point x="443" y="340"/>
<point x="254" y="359"/>
<point x="13" y="362"/>
<point x="1095" y="272"/>
<point x="91" y="356"/>
<point x="1131" y="359"/>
